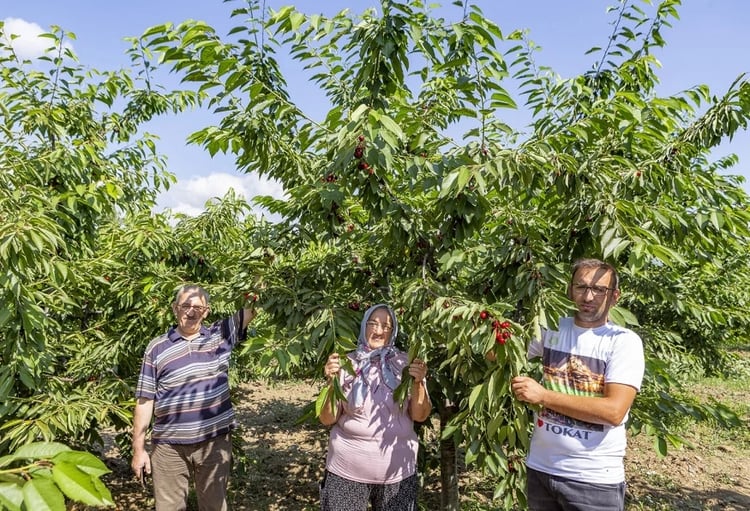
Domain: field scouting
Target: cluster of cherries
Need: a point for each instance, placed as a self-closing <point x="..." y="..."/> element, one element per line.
<point x="359" y="152"/>
<point x="501" y="328"/>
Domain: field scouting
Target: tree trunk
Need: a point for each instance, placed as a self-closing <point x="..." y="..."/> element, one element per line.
<point x="448" y="471"/>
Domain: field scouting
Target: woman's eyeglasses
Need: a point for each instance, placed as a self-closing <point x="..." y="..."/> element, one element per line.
<point x="378" y="326"/>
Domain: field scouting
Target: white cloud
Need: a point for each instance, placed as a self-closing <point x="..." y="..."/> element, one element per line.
<point x="27" y="44"/>
<point x="189" y="196"/>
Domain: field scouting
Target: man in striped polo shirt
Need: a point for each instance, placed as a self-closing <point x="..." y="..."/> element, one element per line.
<point x="184" y="385"/>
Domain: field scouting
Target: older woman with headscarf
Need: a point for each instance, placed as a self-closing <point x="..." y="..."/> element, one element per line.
<point x="372" y="450"/>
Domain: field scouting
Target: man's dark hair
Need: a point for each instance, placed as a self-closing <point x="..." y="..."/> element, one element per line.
<point x="598" y="265"/>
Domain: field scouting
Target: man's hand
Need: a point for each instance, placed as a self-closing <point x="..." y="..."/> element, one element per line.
<point x="528" y="390"/>
<point x="141" y="462"/>
<point x="609" y="409"/>
<point x="141" y="465"/>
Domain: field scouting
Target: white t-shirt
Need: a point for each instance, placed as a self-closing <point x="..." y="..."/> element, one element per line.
<point x="580" y="361"/>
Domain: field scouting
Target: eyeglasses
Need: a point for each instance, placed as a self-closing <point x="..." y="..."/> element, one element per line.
<point x="185" y="307"/>
<point x="374" y="325"/>
<point x="580" y="289"/>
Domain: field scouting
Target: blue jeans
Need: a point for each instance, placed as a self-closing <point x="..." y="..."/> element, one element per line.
<point x="552" y="493"/>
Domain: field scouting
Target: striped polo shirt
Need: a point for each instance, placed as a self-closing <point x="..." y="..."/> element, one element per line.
<point x="189" y="382"/>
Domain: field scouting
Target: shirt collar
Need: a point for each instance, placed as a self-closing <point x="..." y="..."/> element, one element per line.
<point x="174" y="336"/>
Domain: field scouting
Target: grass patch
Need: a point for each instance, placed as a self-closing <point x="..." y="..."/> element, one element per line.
<point x="711" y="472"/>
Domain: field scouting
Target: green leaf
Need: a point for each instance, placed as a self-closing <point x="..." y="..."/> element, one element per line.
<point x="463" y="177"/>
<point x="42" y="495"/>
<point x="391" y="126"/>
<point x="40" y="450"/>
<point x="446" y="188"/>
<point x="11" y="496"/>
<point x="85" y="461"/>
<point x="7" y="460"/>
<point x="475" y="395"/>
<point x="103" y="491"/>
<point x="321" y="400"/>
<point x="623" y="317"/>
<point x="5" y="315"/>
<point x="77" y="485"/>
<point x="660" y="444"/>
<point x="359" y="112"/>
<point x="494" y="424"/>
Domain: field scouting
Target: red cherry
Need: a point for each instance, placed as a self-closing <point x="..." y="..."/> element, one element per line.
<point x="484" y="315"/>
<point x="359" y="152"/>
<point x="496" y="324"/>
<point x="361" y="138"/>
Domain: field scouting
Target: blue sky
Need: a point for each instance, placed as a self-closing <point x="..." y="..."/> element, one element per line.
<point x="708" y="45"/>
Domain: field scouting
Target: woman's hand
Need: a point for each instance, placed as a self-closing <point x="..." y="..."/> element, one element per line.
<point x="418" y="370"/>
<point x="420" y="406"/>
<point x="330" y="414"/>
<point x="332" y="367"/>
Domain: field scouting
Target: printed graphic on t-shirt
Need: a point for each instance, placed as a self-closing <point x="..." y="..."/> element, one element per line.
<point x="572" y="374"/>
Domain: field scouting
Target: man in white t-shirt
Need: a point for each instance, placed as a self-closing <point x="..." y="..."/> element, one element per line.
<point x="592" y="371"/>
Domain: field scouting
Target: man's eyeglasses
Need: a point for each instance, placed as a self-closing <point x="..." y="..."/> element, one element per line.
<point x="374" y="325"/>
<point x="580" y="289"/>
<point x="185" y="307"/>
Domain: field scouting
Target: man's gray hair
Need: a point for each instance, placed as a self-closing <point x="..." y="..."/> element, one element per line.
<point x="192" y="288"/>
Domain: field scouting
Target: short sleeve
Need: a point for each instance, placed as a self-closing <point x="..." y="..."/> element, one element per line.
<point x="536" y="346"/>
<point x="146" y="386"/>
<point x="231" y="328"/>
<point x="626" y="364"/>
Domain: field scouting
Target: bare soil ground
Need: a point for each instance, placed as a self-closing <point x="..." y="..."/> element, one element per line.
<point x="283" y="462"/>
